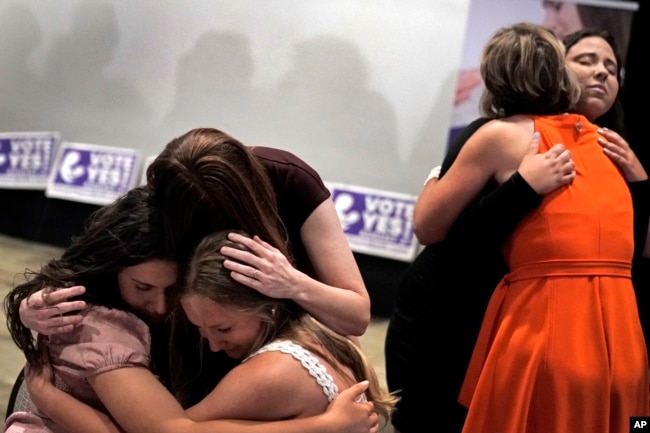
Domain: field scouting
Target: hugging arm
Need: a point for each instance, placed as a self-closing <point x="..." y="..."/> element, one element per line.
<point x="494" y="216"/>
<point x="138" y="403"/>
<point x="64" y="409"/>
<point x="491" y="218"/>
<point x="441" y="201"/>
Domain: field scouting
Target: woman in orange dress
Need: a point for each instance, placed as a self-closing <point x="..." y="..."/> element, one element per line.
<point x="561" y="347"/>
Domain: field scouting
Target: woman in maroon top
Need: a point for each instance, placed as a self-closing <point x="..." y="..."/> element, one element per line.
<point x="206" y="180"/>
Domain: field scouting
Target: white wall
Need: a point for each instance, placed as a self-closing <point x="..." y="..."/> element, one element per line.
<point x="361" y="89"/>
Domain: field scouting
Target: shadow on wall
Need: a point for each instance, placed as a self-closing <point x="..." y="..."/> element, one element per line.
<point x="20" y="36"/>
<point x="326" y="100"/>
<point x="323" y="108"/>
<point x="89" y="103"/>
<point x="214" y="88"/>
<point x="74" y="95"/>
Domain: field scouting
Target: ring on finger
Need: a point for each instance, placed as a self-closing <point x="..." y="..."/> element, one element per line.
<point x="45" y="296"/>
<point x="256" y="273"/>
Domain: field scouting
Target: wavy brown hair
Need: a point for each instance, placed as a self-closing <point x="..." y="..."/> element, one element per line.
<point x="524" y="70"/>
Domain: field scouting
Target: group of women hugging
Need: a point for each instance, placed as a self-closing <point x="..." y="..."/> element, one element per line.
<point x="223" y="295"/>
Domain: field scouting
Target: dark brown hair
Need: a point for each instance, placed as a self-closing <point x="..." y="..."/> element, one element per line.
<point x="124" y="233"/>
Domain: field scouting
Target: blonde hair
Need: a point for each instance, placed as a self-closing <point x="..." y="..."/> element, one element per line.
<point x="280" y="318"/>
<point x="524" y="70"/>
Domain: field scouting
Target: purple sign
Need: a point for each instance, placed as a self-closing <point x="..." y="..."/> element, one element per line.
<point x="376" y="222"/>
<point x="26" y="159"/>
<point x="91" y="173"/>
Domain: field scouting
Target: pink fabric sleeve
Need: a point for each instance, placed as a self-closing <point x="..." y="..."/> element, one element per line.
<point x="108" y="339"/>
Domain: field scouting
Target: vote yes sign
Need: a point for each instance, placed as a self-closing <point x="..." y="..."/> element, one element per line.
<point x="92" y="173"/>
<point x="26" y="159"/>
<point x="376" y="222"/>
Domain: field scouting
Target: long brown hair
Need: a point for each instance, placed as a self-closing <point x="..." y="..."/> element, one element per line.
<point x="206" y="180"/>
<point x="124" y="233"/>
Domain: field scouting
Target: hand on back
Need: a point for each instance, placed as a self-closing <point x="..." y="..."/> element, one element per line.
<point x="351" y="415"/>
<point x="619" y="151"/>
<point x="545" y="172"/>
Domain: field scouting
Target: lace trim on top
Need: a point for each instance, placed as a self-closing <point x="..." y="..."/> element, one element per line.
<point x="309" y="361"/>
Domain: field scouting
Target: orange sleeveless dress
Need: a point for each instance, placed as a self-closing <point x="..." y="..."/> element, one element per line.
<point x="561" y="348"/>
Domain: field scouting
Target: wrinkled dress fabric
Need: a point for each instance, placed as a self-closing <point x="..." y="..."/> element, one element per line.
<point x="105" y="340"/>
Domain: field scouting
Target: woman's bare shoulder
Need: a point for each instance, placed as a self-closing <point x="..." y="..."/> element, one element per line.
<point x="510" y="127"/>
<point x="505" y="133"/>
